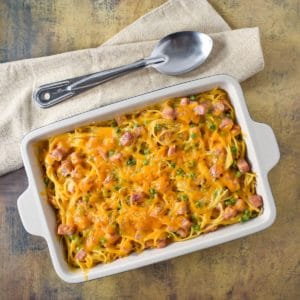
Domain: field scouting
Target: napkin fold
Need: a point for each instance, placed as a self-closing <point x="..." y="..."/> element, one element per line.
<point x="235" y="52"/>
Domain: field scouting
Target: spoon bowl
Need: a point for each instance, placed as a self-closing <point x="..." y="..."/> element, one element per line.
<point x="183" y="52"/>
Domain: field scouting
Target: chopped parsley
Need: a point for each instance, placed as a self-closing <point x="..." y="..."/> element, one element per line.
<point x="183" y="197"/>
<point x="111" y="153"/>
<point x="192" y="175"/>
<point x="230" y="201"/>
<point x="46" y="181"/>
<point x="234" y="149"/>
<point x="233" y="165"/>
<point x="146" y="151"/>
<point x="192" y="97"/>
<point x="192" y="163"/>
<point x="86" y="197"/>
<point x="74" y="237"/>
<point x="117" y="130"/>
<point x="238" y="174"/>
<point x="114" y="123"/>
<point x="158" y="127"/>
<point x="196" y="227"/>
<point x="213" y="127"/>
<point x="117" y="187"/>
<point x="217" y="192"/>
<point x="180" y="172"/>
<point x="193" y="135"/>
<point x="152" y="192"/>
<point x="173" y="164"/>
<point x="131" y="162"/>
<point x="91" y="158"/>
<point x="199" y="203"/>
<point x="102" y="241"/>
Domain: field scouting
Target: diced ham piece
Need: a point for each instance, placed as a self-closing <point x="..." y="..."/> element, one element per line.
<point x="156" y="211"/>
<point x="242" y="165"/>
<point x="236" y="130"/>
<point x="77" y="172"/>
<point x="76" y="158"/>
<point x="240" y="205"/>
<point x="126" y="247"/>
<point x="112" y="238"/>
<point x="201" y="109"/>
<point x="184" y="101"/>
<point x="226" y="104"/>
<point x="138" y="131"/>
<point x="81" y="254"/>
<point x="256" y="200"/>
<point x="186" y="224"/>
<point x="226" y="123"/>
<point x="137" y="198"/>
<point x="218" y="108"/>
<point x="58" y="154"/>
<point x="185" y="228"/>
<point x="65" y="168"/>
<point x="149" y="244"/>
<point x="161" y="243"/>
<point x="138" y="235"/>
<point x="126" y="139"/>
<point x="64" y="229"/>
<point x="229" y="213"/>
<point x="180" y="208"/>
<point x="86" y="184"/>
<point x="52" y="199"/>
<point x="171" y="150"/>
<point x="108" y="179"/>
<point x="103" y="153"/>
<point x="169" y="113"/>
<point x="116" y="157"/>
<point x="219" y="150"/>
<point x="120" y="119"/>
<point x="183" y="233"/>
<point x="171" y="228"/>
<point x="166" y="135"/>
<point x="215" y="171"/>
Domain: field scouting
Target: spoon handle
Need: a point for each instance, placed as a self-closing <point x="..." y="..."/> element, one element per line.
<point x="50" y="94"/>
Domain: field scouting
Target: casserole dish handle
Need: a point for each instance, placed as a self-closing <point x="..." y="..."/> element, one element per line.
<point x="29" y="214"/>
<point x="266" y="145"/>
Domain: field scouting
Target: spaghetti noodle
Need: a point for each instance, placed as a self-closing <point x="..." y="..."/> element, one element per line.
<point x="166" y="173"/>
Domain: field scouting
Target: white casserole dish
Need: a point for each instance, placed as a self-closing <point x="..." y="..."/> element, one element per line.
<point x="38" y="216"/>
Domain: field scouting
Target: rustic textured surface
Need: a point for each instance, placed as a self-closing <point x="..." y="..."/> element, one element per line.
<point x="263" y="266"/>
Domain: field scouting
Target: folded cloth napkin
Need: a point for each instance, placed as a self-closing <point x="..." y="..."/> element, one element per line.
<point x="235" y="52"/>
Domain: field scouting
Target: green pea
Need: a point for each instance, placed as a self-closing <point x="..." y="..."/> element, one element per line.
<point x="193" y="135"/>
<point x="213" y="127"/>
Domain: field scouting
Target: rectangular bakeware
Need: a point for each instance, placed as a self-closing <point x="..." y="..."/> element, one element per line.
<point x="38" y="216"/>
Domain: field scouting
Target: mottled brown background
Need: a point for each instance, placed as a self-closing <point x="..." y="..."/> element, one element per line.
<point x="262" y="266"/>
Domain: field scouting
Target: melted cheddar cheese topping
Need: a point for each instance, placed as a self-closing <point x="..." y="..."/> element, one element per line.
<point x="166" y="173"/>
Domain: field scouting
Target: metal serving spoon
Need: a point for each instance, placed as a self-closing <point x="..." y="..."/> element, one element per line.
<point x="175" y="54"/>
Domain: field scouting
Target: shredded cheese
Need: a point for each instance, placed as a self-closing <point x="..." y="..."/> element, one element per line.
<point x="163" y="174"/>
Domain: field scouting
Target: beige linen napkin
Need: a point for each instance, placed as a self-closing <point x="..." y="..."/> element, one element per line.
<point x="235" y="52"/>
